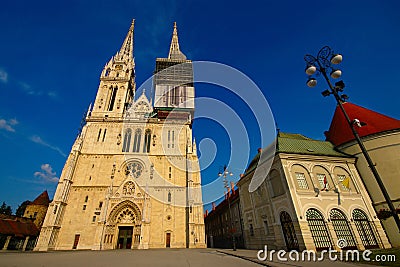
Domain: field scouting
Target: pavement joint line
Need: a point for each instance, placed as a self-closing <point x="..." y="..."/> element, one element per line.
<point x="244" y="258"/>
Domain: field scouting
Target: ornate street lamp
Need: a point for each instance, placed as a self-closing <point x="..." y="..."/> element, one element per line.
<point x="225" y="174"/>
<point x="322" y="64"/>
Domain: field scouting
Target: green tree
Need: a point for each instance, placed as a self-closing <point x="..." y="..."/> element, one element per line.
<point x="5" y="209"/>
<point x="21" y="208"/>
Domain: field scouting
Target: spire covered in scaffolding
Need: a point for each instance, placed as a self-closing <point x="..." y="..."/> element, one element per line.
<point x="174" y="51"/>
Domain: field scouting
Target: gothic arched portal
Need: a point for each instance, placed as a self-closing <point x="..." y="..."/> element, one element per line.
<point x="126" y="219"/>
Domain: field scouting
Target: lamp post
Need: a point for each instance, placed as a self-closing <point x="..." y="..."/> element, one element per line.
<point x="225" y="174"/>
<point x="323" y="64"/>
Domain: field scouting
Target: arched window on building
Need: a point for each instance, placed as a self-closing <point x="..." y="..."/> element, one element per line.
<point x="288" y="231"/>
<point x="107" y="72"/>
<point x="318" y="229"/>
<point x="342" y="228"/>
<point x="169" y="196"/>
<point x="365" y="229"/>
<point x="127" y="140"/>
<point x="147" y="141"/>
<point x="136" y="140"/>
<point x="112" y="98"/>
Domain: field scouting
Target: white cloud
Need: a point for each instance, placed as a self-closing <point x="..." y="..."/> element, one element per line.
<point x="52" y="94"/>
<point x="8" y="124"/>
<point x="38" y="140"/>
<point x="27" y="88"/>
<point x="3" y="76"/>
<point x="47" y="173"/>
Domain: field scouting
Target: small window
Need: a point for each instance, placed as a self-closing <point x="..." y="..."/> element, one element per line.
<point x="107" y="72"/>
<point x="94" y="219"/>
<point x="55" y="209"/>
<point x="112" y="99"/>
<point x="169" y="138"/>
<point x="104" y="135"/>
<point x="136" y="140"/>
<point x="169" y="196"/>
<point x="169" y="172"/>
<point x="100" y="204"/>
<point x="84" y="207"/>
<point x="346" y="184"/>
<point x="86" y="198"/>
<point x="301" y="180"/>
<point x="34" y="215"/>
<point x="266" y="227"/>
<point x="147" y="141"/>
<point x="127" y="140"/>
<point x="251" y="230"/>
<point x="323" y="181"/>
<point x="98" y="136"/>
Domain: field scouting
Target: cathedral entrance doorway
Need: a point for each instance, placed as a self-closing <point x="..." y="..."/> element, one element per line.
<point x="125" y="237"/>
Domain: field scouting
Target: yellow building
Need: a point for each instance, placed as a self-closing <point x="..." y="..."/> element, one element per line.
<point x="132" y="179"/>
<point x="311" y="198"/>
<point x="37" y="209"/>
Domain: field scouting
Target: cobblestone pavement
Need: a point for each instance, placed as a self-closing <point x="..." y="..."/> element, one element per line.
<point x="154" y="257"/>
<point x="251" y="255"/>
<point x="121" y="258"/>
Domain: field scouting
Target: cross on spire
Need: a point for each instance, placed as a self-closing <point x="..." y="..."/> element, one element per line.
<point x="174" y="51"/>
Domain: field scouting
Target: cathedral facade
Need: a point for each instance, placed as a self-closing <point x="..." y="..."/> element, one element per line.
<point x="132" y="179"/>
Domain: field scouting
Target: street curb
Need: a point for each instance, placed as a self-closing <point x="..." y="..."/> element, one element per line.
<point x="244" y="258"/>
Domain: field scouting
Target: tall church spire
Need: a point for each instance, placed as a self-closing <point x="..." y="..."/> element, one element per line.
<point x="117" y="81"/>
<point x="126" y="51"/>
<point x="174" y="52"/>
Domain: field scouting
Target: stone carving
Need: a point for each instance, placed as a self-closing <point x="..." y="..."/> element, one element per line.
<point x="126" y="216"/>
<point x="129" y="189"/>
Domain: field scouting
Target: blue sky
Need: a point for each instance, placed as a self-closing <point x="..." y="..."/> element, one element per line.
<point x="51" y="55"/>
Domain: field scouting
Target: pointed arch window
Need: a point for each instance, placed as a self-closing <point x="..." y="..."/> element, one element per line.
<point x="169" y="196"/>
<point x="98" y="136"/>
<point x="112" y="99"/>
<point x="107" y="72"/>
<point x="171" y="139"/>
<point x="147" y="140"/>
<point x="136" y="140"/>
<point x="127" y="140"/>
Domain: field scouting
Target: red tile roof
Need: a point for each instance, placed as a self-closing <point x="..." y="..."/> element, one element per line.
<point x="18" y="228"/>
<point x="42" y="199"/>
<point x="340" y="132"/>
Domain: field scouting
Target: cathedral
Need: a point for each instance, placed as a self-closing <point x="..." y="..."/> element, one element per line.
<point x="132" y="179"/>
